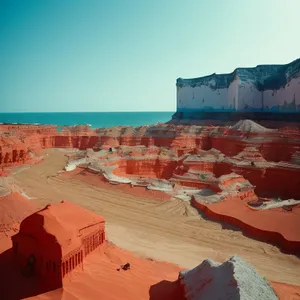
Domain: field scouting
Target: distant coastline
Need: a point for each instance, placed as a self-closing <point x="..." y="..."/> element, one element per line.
<point x="93" y="119"/>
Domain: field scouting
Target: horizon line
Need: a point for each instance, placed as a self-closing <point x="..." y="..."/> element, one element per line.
<point x="50" y="112"/>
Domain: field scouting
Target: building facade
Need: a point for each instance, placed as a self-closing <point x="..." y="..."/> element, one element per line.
<point x="55" y="240"/>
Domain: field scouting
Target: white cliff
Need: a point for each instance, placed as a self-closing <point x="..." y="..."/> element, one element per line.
<point x="265" y="88"/>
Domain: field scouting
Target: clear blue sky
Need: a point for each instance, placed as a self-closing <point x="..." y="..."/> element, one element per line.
<point x="93" y="55"/>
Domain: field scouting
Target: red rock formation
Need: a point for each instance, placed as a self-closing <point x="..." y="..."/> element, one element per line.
<point x="108" y="141"/>
<point x="155" y="168"/>
<point x="251" y="154"/>
<point x="71" y="141"/>
<point x="27" y="130"/>
<point x="273" y="226"/>
<point x="271" y="150"/>
<point x="12" y="152"/>
<point x="271" y="182"/>
<point x="181" y="137"/>
<point x="22" y="144"/>
<point x="233" y="182"/>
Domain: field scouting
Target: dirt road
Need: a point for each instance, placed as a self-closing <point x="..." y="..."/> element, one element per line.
<point x="169" y="231"/>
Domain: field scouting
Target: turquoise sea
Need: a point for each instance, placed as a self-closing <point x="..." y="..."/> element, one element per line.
<point x="94" y="119"/>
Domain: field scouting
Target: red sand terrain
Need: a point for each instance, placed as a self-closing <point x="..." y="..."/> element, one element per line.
<point x="23" y="145"/>
<point x="101" y="276"/>
<point x="146" y="279"/>
<point x="274" y="225"/>
<point x="90" y="178"/>
<point x="100" y="279"/>
<point x="13" y="209"/>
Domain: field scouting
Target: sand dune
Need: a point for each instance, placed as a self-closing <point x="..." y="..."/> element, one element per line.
<point x="164" y="230"/>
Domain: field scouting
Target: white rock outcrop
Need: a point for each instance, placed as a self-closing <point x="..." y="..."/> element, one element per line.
<point x="234" y="279"/>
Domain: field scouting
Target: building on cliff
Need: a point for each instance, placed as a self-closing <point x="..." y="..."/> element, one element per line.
<point x="265" y="88"/>
<point x="56" y="239"/>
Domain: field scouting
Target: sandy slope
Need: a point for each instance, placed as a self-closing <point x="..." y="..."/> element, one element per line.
<point x="145" y="280"/>
<point x="101" y="279"/>
<point x="170" y="230"/>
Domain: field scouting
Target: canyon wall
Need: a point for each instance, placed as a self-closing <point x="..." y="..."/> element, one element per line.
<point x="269" y="182"/>
<point x="272" y="150"/>
<point x="153" y="168"/>
<point x="26" y="145"/>
<point x="265" y="88"/>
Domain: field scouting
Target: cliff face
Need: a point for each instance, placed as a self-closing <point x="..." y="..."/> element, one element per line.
<point x="265" y="88"/>
<point x="152" y="168"/>
<point x="14" y="152"/>
<point x="239" y="146"/>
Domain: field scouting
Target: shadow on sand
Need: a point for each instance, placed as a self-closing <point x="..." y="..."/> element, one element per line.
<point x="165" y="290"/>
<point x="14" y="286"/>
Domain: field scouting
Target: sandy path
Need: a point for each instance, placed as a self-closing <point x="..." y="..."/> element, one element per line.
<point x="169" y="231"/>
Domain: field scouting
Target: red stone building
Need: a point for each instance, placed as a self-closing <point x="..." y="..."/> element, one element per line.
<point x="56" y="239"/>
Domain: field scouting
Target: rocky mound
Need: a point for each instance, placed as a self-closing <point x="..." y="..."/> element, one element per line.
<point x="13" y="209"/>
<point x="249" y="126"/>
<point x="250" y="154"/>
<point x="233" y="279"/>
